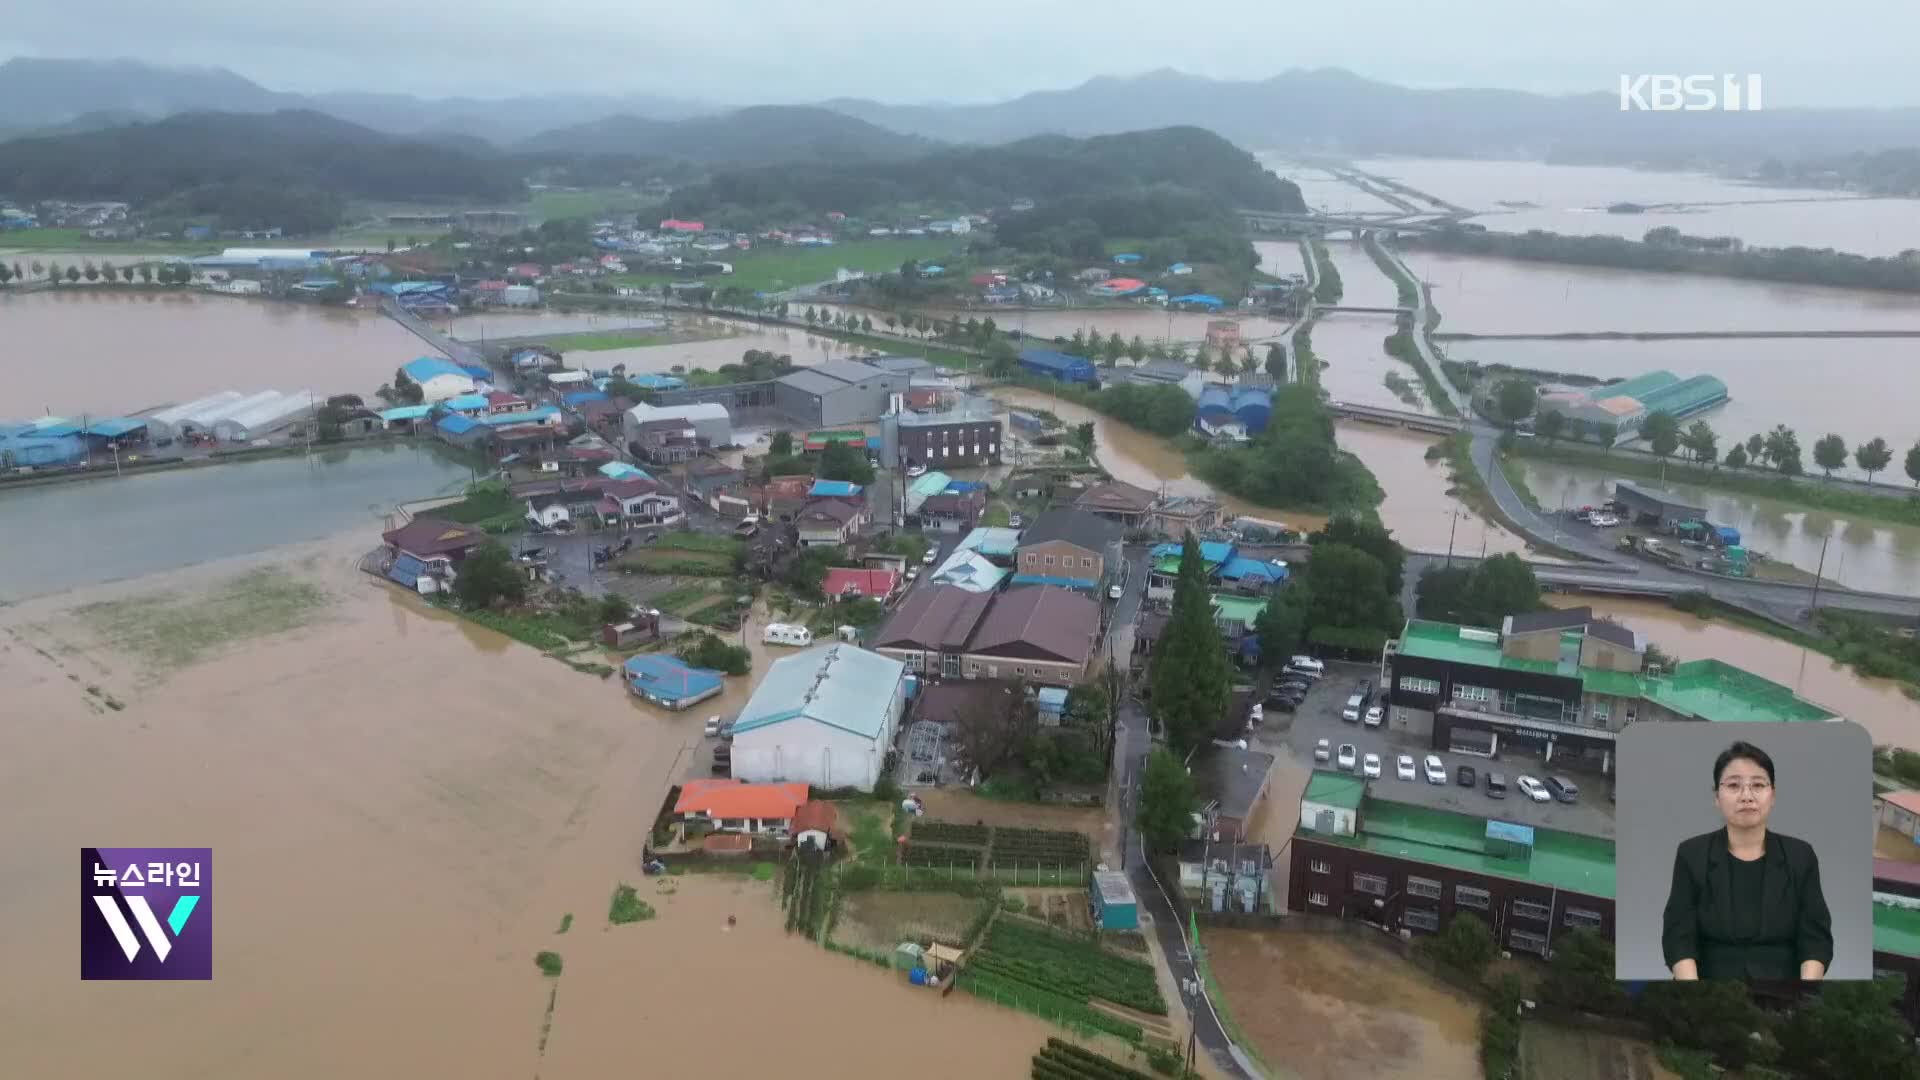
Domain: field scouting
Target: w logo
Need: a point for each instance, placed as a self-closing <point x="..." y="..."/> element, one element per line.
<point x="146" y="913"/>
<point x="150" y="926"/>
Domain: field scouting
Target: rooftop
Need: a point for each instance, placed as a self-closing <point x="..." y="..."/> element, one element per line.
<point x="1115" y="495"/>
<point x="834" y="488"/>
<point x="839" y="685"/>
<point x="669" y="676"/>
<point x="1335" y="789"/>
<point x="432" y="536"/>
<point x="1243" y="609"/>
<point x="430" y="367"/>
<point x="1232" y="777"/>
<point x="968" y="570"/>
<point x="809" y="381"/>
<point x="990" y="540"/>
<point x="1562" y="860"/>
<point x="732" y="799"/>
<point x="1905" y="800"/>
<point x="1896" y="928"/>
<point x="1076" y="527"/>
<point x="935" y="617"/>
<point x="1057" y="623"/>
<point x="842" y="580"/>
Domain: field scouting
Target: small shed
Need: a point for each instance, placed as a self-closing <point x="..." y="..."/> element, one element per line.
<point x="1112" y="901"/>
<point x="642" y="628"/>
<point x="1052" y="705"/>
<point x="909" y="955"/>
<point x="813" y="824"/>
<point x="1644" y="501"/>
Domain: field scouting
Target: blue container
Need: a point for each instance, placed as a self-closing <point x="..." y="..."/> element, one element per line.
<point x="918" y="976"/>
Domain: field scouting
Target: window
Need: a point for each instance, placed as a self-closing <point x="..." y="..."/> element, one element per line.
<point x="1370" y="883"/>
<point x="1471" y="693"/>
<point x="1421" y="918"/>
<point x="1317" y="899"/>
<point x="1049" y="560"/>
<point x="1427" y="887"/>
<point x="1320" y="866"/>
<point x="1582" y="919"/>
<point x="950" y="665"/>
<point x="1415" y="685"/>
<point x="1528" y="940"/>
<point x="1472" y="896"/>
<point x="1033" y="560"/>
<point x="1602" y="709"/>
<point x="1528" y="909"/>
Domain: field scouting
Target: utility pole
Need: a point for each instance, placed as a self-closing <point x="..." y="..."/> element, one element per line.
<point x="1813" y="605"/>
<point x="1451" y="526"/>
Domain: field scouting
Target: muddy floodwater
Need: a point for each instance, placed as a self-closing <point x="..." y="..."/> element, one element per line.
<point x="1878" y="705"/>
<point x="403" y="807"/>
<point x="75" y="351"/>
<point x="1418" y="508"/>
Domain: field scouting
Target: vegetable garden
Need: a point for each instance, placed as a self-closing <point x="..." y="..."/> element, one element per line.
<point x="1077" y="967"/>
<point x="1002" y="847"/>
<point x="1060" y="1060"/>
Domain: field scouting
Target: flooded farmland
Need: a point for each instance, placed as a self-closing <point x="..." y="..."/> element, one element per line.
<point x="399" y="828"/>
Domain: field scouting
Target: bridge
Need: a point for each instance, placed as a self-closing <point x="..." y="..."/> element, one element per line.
<point x="1397" y="222"/>
<point x="1413" y="421"/>
<point x="1364" y="310"/>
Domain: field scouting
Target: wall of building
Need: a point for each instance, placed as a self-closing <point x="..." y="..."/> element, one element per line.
<point x="800" y="750"/>
<point x="1541" y="645"/>
<point x="964" y="442"/>
<point x="1904" y="822"/>
<point x="1605" y="655"/>
<point x="1058" y="558"/>
<point x="982" y="666"/>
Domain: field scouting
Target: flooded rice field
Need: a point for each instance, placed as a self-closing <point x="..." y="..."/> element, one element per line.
<point x="77" y="351"/>
<point x="1327" y="193"/>
<point x="1279" y="257"/>
<point x="404" y="808"/>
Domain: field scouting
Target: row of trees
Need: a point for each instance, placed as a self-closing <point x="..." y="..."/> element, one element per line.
<point x="165" y="274"/>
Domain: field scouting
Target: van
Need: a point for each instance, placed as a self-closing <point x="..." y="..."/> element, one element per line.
<point x="1352" y="712"/>
<point x="784" y="634"/>
<point x="1496" y="785"/>
<point x="1307" y="665"/>
<point x="1563" y="789"/>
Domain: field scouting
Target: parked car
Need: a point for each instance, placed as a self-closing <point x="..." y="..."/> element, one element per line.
<point x="1349" y="755"/>
<point x="1351" y="713"/>
<point x="1370" y="767"/>
<point x="916" y="470"/>
<point x="1464" y="776"/>
<point x="1604" y="521"/>
<point x="1374" y="713"/>
<point x="1282" y="704"/>
<point x="927" y="559"/>
<point x="1115" y="592"/>
<point x="1562" y="788"/>
<point x="1322" y="750"/>
<point x="1306" y="665"/>
<point x="712" y="726"/>
<point x="1436" y="772"/>
<point x="1256" y="715"/>
<point x="1496" y="785"/>
<point x="1403" y="766"/>
<point x="1533" y="789"/>
<point x="1365" y="689"/>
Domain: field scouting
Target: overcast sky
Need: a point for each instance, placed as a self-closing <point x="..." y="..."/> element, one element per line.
<point x="1836" y="52"/>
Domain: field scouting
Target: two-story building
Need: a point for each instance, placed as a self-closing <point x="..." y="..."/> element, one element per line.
<point x="639" y="501"/>
<point x="825" y="522"/>
<point x="1038" y="634"/>
<point x="1557" y="683"/>
<point x="1070" y="548"/>
<point x="967" y="434"/>
<point x="1118" y="502"/>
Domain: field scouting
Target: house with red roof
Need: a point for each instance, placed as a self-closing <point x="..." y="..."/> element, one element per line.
<point x="844" y="583"/>
<point x="500" y="401"/>
<point x="728" y="805"/>
<point x="530" y="271"/>
<point x="676" y="225"/>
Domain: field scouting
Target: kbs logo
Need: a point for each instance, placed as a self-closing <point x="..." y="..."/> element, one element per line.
<point x="1689" y="93"/>
<point x="146" y="913"/>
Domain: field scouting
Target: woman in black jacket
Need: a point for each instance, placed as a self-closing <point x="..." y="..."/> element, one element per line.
<point x="1745" y="903"/>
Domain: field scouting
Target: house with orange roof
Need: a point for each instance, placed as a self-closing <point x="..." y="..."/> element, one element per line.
<point x="1900" y="811"/>
<point x="730" y="805"/>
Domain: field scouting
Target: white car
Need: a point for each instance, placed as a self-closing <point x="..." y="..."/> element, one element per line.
<point x="1373" y="716"/>
<point x="712" y="726"/>
<point x="1403" y="767"/>
<point x="1534" y="789"/>
<point x="1436" y="772"/>
<point x="1257" y="714"/>
<point x="1604" y="521"/>
<point x="927" y="559"/>
<point x="1348" y="756"/>
<point x="916" y="470"/>
<point x="1115" y="592"/>
<point x="1370" y="767"/>
<point x="1322" y="750"/>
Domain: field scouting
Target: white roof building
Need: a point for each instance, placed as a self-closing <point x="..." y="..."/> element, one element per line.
<point x="266" y="418"/>
<point x="826" y="716"/>
<point x="709" y="420"/>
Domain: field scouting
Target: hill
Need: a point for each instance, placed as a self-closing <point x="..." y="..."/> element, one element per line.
<point x="252" y="170"/>
<point x="754" y="136"/>
<point x="40" y="93"/>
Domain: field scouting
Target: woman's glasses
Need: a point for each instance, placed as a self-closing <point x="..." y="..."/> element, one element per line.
<point x="1739" y="787"/>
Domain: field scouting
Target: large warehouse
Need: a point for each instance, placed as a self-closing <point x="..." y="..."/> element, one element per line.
<point x="708" y="420"/>
<point x="165" y="424"/>
<point x="265" y="418"/>
<point x="825" y="716"/>
<point x="837" y="392"/>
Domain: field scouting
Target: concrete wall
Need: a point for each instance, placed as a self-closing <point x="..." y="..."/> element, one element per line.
<point x="980" y="666"/>
<point x="1597" y="653"/>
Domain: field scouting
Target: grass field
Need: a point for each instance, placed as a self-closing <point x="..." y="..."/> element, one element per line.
<point x="770" y="269"/>
<point x="620" y="339"/>
<point x="596" y="202"/>
<point x="77" y="241"/>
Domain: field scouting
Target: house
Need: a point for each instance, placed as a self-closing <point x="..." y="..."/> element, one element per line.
<point x="639" y="501"/>
<point x="825" y="716"/>
<point x="1048" y="364"/>
<point x="844" y="582"/>
<point x="1225" y="876"/>
<point x="1038" y="633"/>
<point x="731" y="806"/>
<point x="814" y="825"/>
<point x="786" y="496"/>
<point x="425" y="553"/>
<point x="952" y="511"/>
<point x="1117" y="501"/>
<point x="675" y="225"/>
<point x="501" y="401"/>
<point x="642" y="627"/>
<point x="709" y="420"/>
<point x="548" y="510"/>
<point x="666" y="442"/>
<point x="439" y="378"/>
<point x="1235" y="615"/>
<point x="1899" y="811"/>
<point x="1222" y="333"/>
<point x="1070" y="548"/>
<point x="967" y="434"/>
<point x="472" y="405"/>
<point x="1163" y="565"/>
<point x="670" y="682"/>
<point x="710" y="481"/>
<point x="1233" y="785"/>
<point x="1176" y="515"/>
<point x="930" y="629"/>
<point x="825" y="522"/>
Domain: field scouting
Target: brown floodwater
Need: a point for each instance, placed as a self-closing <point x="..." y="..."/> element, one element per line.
<point x="1325" y="192"/>
<point x="403" y="808"/>
<point x="75" y="351"/>
<point x="1279" y="257"/>
<point x="1418" y="507"/>
<point x="1879" y="705"/>
<point x="1861" y="554"/>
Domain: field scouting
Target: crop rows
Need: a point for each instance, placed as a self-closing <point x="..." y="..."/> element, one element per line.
<point x="950" y="832"/>
<point x="1045" y="1003"/>
<point x="1059" y="1060"/>
<point x="1073" y="966"/>
<point x="1038" y="845"/>
<point x="918" y="854"/>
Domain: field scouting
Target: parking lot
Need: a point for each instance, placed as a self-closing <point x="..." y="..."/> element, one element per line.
<point x="1318" y="717"/>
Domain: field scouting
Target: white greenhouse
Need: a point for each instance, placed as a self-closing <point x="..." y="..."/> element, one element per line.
<point x="166" y="423"/>
<point x="266" y="418"/>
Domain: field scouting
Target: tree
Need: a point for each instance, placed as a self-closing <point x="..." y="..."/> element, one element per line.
<point x="893" y="320"/>
<point x="146" y="274"/>
<point x="1701" y="442"/>
<point x="1913" y="464"/>
<point x="1078" y="346"/>
<point x="1189" y="672"/>
<point x="126" y="274"/>
<point x="1281" y="625"/>
<point x="1551" y="425"/>
<point x="1757" y="449"/>
<point x="702" y="649"/>
<point x="1116" y="347"/>
<point x="1002" y="358"/>
<point x="866" y="325"/>
<point x="1515" y="398"/>
<point x="1482" y="595"/>
<point x="812" y="316"/>
<point x="488" y="576"/>
<point x="1851" y="1029"/>
<point x="1277" y="361"/>
<point x="73" y="273"/>
<point x="1369" y="536"/>
<point x="6" y="274"/>
<point x="1830" y="453"/>
<point x="1136" y="350"/>
<point x="1202" y="358"/>
<point x="1576" y="429"/>
<point x="1605" y="434"/>
<point x="1168" y="800"/>
<point x="840" y="461"/>
<point x="1783" y="450"/>
<point x="91" y="273"/>
<point x="1715" y="1015"/>
<point x="993" y="726"/>
<point x="1466" y="945"/>
<point x="1083" y="437"/>
<point x="781" y="444"/>
<point x="405" y="390"/>
<point x="1349" y="588"/>
<point x="1737" y="457"/>
<point x="1872" y="456"/>
<point x="1662" y="433"/>
<point x="1580" y="975"/>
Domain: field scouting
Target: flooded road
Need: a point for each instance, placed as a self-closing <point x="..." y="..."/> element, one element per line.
<point x="109" y="529"/>
<point x="1863" y="555"/>
<point x="1326" y="193"/>
<point x="1878" y="705"/>
<point x="75" y="351"/>
<point x="398" y="829"/>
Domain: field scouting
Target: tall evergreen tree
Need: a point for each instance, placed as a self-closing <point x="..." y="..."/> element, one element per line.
<point x="1190" y="675"/>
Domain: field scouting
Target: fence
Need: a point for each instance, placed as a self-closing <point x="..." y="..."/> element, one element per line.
<point x="1070" y="875"/>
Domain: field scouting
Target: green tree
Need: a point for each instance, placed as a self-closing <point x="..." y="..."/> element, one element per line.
<point x="781" y="444"/>
<point x="1515" y="399"/>
<point x="1872" y="456"/>
<point x="1715" y="1015"/>
<point x="840" y="461"/>
<point x="1830" y="453"/>
<point x="1605" y="435"/>
<point x="1466" y="945"/>
<point x="1136" y="350"/>
<point x="1580" y="975"/>
<point x="18" y="273"/>
<point x="1203" y="358"/>
<point x="702" y="649"/>
<point x="73" y="274"/>
<point x="1002" y="358"/>
<point x="893" y="320"/>
<point x="1168" y="800"/>
<point x="1277" y="361"/>
<point x="1550" y="425"/>
<point x="1783" y="450"/>
<point x="1576" y="429"/>
<point x="812" y="316"/>
<point x="1701" y="442"/>
<point x="1912" y="464"/>
<point x="1662" y="433"/>
<point x="1369" y="536"/>
<point x="1349" y="591"/>
<point x="1083" y="437"/>
<point x="1189" y="672"/>
<point x="1852" y="1029"/>
<point x="1281" y="625"/>
<point x="1757" y="449"/>
<point x="866" y="325"/>
<point x="146" y="274"/>
<point x="1116" y="347"/>
<point x="1078" y="345"/>
<point x="126" y="274"/>
<point x="91" y="273"/>
<point x="6" y="274"/>
<point x="488" y="576"/>
<point x="1737" y="456"/>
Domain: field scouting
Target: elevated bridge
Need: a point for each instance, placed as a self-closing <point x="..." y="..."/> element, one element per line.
<point x="1269" y="220"/>
<point x="1363" y="310"/>
<point x="1413" y="421"/>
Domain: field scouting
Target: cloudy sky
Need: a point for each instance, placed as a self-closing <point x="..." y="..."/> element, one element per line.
<point x="1837" y="52"/>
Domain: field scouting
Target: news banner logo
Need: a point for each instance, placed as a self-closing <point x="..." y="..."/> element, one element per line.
<point x="1689" y="93"/>
<point x="146" y="913"/>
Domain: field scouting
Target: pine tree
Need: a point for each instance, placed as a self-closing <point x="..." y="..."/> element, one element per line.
<point x="1190" y="675"/>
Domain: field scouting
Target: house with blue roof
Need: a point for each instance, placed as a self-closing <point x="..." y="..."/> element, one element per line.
<point x="462" y="431"/>
<point x="1049" y="364"/>
<point x="542" y="414"/>
<point x="1253" y="574"/>
<point x="404" y="416"/>
<point x="649" y="381"/>
<point x="826" y="717"/>
<point x="439" y="378"/>
<point x="1163" y="565"/>
<point x="1126" y="258"/>
<point x="466" y="404"/>
<point x="834" y="489"/>
<point x="670" y="682"/>
<point x="1203" y="301"/>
